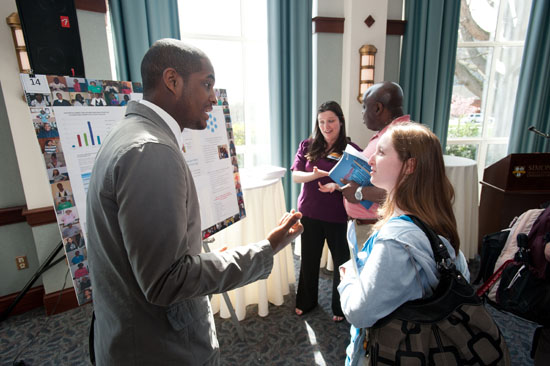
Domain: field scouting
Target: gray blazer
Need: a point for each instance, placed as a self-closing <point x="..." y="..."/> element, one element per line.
<point x="149" y="277"/>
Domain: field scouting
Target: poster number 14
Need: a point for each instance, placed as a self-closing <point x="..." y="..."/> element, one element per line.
<point x="35" y="84"/>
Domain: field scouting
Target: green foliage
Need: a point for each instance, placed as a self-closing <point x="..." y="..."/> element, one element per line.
<point x="464" y="129"/>
<point x="240" y="160"/>
<point x="466" y="151"/>
<point x="238" y="133"/>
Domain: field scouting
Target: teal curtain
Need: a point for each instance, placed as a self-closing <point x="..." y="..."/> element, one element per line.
<point x="137" y="24"/>
<point x="290" y="83"/>
<point x="428" y="61"/>
<point x="532" y="106"/>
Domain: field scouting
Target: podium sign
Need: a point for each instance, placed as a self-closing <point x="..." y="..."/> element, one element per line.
<point x="520" y="172"/>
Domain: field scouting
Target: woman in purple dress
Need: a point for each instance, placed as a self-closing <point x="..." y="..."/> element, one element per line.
<point x="321" y="203"/>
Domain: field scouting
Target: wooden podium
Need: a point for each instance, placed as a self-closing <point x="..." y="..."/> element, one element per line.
<point x="511" y="186"/>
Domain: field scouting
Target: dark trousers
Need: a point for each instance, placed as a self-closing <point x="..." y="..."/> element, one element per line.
<point x="313" y="240"/>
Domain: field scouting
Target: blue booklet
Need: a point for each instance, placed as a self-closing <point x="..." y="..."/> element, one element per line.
<point x="353" y="166"/>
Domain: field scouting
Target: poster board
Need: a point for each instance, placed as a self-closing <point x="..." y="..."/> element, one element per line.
<point x="73" y="116"/>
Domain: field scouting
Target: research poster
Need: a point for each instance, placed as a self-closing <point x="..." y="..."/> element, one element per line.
<point x="207" y="153"/>
<point x="72" y="117"/>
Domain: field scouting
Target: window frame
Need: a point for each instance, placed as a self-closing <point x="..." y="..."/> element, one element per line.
<point x="248" y="152"/>
<point x="484" y="141"/>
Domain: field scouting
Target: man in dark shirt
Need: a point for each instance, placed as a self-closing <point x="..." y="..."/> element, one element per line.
<point x="60" y="102"/>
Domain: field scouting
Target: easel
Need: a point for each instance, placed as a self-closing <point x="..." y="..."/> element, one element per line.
<point x="234" y="319"/>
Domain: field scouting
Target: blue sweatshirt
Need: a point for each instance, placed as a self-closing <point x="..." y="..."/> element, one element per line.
<point x="397" y="267"/>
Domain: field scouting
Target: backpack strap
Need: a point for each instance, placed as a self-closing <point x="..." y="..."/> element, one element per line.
<point x="494" y="277"/>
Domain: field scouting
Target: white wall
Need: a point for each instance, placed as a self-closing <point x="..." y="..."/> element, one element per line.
<point x="356" y="34"/>
<point x="327" y="57"/>
<point x="95" y="36"/>
<point x="393" y="43"/>
<point x="328" y="8"/>
<point x="16" y="239"/>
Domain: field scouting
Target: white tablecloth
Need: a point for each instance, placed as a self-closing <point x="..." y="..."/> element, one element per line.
<point x="462" y="173"/>
<point x="265" y="204"/>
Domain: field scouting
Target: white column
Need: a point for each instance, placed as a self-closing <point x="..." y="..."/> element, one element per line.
<point x="356" y="34"/>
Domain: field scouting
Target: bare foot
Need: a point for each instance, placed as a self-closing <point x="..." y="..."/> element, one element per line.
<point x="337" y="319"/>
<point x="298" y="311"/>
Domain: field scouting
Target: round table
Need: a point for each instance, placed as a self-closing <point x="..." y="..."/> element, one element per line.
<point x="462" y="173"/>
<point x="264" y="201"/>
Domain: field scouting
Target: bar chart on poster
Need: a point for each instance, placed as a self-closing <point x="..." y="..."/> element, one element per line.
<point x="81" y="130"/>
<point x="83" y="138"/>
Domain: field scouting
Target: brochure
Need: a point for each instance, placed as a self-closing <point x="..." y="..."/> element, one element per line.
<point x="353" y="165"/>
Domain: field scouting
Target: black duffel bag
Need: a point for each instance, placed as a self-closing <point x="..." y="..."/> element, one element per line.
<point x="520" y="291"/>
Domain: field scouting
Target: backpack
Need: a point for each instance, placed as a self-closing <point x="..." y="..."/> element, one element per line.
<point x="522" y="224"/>
<point x="520" y="291"/>
<point x="451" y="327"/>
<point x="491" y="248"/>
<point x="520" y="283"/>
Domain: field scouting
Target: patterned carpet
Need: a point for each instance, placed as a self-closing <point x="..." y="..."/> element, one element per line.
<point x="281" y="338"/>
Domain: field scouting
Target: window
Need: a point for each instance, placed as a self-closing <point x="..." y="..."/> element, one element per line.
<point x="233" y="33"/>
<point x="488" y="61"/>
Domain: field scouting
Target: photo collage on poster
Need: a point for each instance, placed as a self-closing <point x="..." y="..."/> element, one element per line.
<point x="228" y="152"/>
<point x="62" y="91"/>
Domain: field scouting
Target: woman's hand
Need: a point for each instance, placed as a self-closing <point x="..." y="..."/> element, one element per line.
<point x="319" y="173"/>
<point x="304" y="177"/>
<point x="329" y="187"/>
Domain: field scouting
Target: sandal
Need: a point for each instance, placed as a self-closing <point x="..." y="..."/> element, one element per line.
<point x="337" y="319"/>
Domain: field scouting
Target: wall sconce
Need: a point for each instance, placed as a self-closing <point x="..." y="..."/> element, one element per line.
<point x="19" y="42"/>
<point x="366" y="69"/>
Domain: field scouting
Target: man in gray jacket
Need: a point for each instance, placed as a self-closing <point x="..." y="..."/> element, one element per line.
<point x="149" y="276"/>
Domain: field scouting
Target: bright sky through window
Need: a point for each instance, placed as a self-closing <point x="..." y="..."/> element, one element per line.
<point x="233" y="33"/>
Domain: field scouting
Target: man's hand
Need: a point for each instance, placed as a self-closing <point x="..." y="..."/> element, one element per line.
<point x="371" y="193"/>
<point x="289" y="228"/>
<point x="348" y="190"/>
